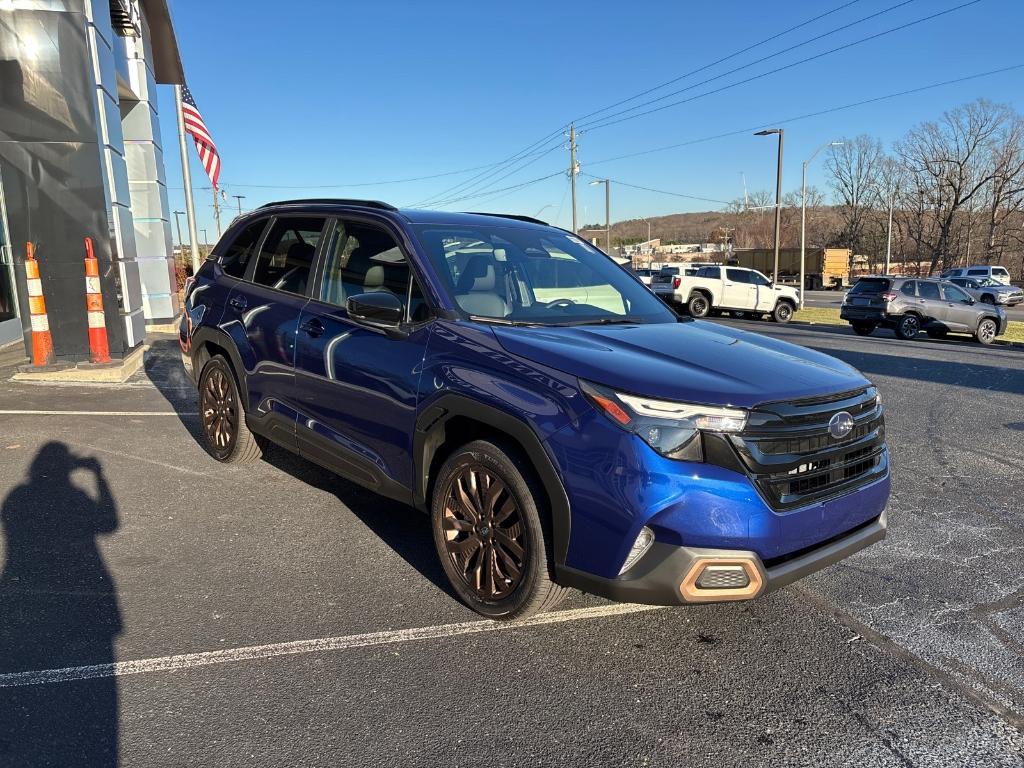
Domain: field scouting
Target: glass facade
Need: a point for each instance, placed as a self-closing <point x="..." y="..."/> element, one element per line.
<point x="10" y="327"/>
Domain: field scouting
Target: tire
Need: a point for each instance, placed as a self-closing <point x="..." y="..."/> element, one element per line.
<point x="987" y="330"/>
<point x="226" y="436"/>
<point x="987" y="299"/>
<point x="908" y="327"/>
<point x="503" y="576"/>
<point x="863" y="329"/>
<point x="783" y="312"/>
<point x="698" y="305"/>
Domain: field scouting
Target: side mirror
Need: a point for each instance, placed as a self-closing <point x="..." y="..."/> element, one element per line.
<point x="381" y="309"/>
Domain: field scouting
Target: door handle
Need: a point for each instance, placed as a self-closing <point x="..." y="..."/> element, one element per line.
<point x="239" y="303"/>
<point x="313" y="327"/>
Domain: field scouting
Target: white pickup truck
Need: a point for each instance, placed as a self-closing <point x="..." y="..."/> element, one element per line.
<point x="735" y="289"/>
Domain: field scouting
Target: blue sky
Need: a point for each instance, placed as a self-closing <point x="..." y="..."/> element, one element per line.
<point x="314" y="93"/>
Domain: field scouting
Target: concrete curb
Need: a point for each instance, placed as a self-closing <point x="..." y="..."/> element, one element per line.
<point x="112" y="373"/>
<point x="169" y="327"/>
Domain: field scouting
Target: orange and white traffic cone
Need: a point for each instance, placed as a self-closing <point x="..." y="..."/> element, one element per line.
<point x="42" y="341"/>
<point x="99" y="348"/>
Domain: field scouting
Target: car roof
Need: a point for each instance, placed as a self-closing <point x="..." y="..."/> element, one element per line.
<point x="411" y="215"/>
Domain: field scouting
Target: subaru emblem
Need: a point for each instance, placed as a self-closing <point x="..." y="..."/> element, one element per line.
<point x="839" y="426"/>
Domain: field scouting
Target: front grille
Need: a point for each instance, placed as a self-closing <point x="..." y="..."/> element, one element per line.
<point x="793" y="459"/>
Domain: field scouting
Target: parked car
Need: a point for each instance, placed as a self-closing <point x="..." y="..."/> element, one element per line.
<point x="997" y="273"/>
<point x="730" y="288"/>
<point x="555" y="442"/>
<point x="645" y="274"/>
<point x="909" y="305"/>
<point x="990" y="291"/>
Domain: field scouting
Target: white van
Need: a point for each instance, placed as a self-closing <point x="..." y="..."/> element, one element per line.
<point x="997" y="273"/>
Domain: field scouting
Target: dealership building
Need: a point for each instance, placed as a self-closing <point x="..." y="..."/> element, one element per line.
<point x="81" y="155"/>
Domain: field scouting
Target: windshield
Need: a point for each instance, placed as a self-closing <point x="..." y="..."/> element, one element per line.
<point x="536" y="276"/>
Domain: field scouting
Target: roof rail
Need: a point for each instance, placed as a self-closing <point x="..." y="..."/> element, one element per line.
<point x="334" y="201"/>
<point x="515" y="216"/>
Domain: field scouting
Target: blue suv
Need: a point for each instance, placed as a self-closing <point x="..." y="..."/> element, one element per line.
<point x="562" y="426"/>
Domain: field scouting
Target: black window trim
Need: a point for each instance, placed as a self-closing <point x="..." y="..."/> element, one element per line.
<point x="250" y="270"/>
<point x="242" y="227"/>
<point x="320" y="265"/>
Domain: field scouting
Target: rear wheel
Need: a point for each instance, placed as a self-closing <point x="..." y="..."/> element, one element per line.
<point x="698" y="305"/>
<point x="864" y="329"/>
<point x="908" y="327"/>
<point x="489" y="535"/>
<point x="783" y="312"/>
<point x="987" y="330"/>
<point x="226" y="436"/>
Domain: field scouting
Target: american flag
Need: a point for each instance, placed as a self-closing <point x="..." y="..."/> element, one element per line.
<point x="196" y="128"/>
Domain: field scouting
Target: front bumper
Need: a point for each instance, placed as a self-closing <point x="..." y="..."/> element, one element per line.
<point x="666" y="574"/>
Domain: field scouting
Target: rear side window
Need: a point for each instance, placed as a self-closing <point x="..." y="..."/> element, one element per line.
<point x="738" y="275"/>
<point x="1000" y="271"/>
<point x="928" y="290"/>
<point x="909" y="289"/>
<point x="286" y="259"/>
<point x="714" y="273"/>
<point x="236" y="257"/>
<point x="977" y="272"/>
<point x="871" y="285"/>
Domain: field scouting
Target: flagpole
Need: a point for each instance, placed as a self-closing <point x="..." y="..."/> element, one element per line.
<point x="186" y="177"/>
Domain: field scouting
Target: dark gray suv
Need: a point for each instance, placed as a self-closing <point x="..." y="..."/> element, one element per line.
<point x="910" y="305"/>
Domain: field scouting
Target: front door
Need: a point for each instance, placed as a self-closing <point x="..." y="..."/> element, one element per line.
<point x="960" y="313"/>
<point x="262" y="316"/>
<point x="357" y="387"/>
<point x="737" y="290"/>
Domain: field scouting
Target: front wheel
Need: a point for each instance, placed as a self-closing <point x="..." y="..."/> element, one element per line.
<point x="783" y="312"/>
<point x="987" y="330"/>
<point x="698" y="306"/>
<point x="488" y="532"/>
<point x="908" y="327"/>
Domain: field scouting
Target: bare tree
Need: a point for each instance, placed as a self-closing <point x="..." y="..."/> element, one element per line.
<point x="856" y="166"/>
<point x="948" y="163"/>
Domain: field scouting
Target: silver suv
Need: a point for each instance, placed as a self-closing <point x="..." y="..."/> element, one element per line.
<point x="990" y="291"/>
<point x="910" y="305"/>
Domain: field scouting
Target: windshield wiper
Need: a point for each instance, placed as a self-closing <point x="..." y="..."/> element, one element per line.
<point x="604" y="321"/>
<point x="501" y="321"/>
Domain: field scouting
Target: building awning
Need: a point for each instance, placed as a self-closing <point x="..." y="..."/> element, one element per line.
<point x="166" y="58"/>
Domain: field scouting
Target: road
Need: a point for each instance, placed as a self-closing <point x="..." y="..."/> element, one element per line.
<point x="833" y="299"/>
<point x="204" y="615"/>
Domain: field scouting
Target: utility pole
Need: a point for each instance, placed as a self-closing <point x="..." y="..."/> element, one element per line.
<point x="204" y="239"/>
<point x="780" y="132"/>
<point x="803" y="214"/>
<point x="573" y="170"/>
<point x="239" y="198"/>
<point x="888" y="236"/>
<point x="216" y="211"/>
<point x="177" y="221"/>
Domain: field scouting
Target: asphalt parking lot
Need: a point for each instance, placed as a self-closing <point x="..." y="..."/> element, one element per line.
<point x="160" y="609"/>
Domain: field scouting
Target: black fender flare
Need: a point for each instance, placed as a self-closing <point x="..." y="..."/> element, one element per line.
<point x="204" y="335"/>
<point x="430" y="435"/>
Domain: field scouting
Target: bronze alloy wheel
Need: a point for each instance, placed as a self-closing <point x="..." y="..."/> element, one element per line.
<point x="220" y="411"/>
<point x="484" y="533"/>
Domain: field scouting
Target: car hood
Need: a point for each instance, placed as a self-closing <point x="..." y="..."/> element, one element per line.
<point x="695" y="361"/>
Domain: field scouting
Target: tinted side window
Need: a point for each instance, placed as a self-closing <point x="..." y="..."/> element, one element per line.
<point x="363" y="259"/>
<point x="286" y="258"/>
<point x="737" y="275"/>
<point x="928" y="291"/>
<point x="908" y="289"/>
<point x="1001" y="271"/>
<point x="236" y="257"/>
<point x="713" y="273"/>
<point x="977" y="272"/>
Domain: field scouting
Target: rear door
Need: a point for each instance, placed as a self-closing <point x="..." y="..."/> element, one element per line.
<point x="960" y="312"/>
<point x="357" y="387"/>
<point x="930" y="303"/>
<point x="737" y="290"/>
<point x="262" y="316"/>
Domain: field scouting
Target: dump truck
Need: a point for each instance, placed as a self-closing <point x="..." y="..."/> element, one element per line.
<point x="824" y="268"/>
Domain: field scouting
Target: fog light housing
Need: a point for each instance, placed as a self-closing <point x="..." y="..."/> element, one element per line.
<point x="643" y="542"/>
<point x="723" y="577"/>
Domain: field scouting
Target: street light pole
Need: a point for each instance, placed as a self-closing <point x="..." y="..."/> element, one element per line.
<point x="803" y="214"/>
<point x="177" y="221"/>
<point x="778" y="195"/>
<point x="888" y="237"/>
<point x="607" y="211"/>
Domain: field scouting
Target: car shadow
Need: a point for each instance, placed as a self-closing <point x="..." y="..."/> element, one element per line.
<point x="58" y="609"/>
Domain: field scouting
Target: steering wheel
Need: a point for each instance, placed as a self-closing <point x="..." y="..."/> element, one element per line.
<point x="560" y="304"/>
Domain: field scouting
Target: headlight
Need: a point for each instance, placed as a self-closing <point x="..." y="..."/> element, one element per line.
<point x="671" y="428"/>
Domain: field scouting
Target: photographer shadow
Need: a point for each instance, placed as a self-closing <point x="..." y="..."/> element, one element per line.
<point x="58" y="609"/>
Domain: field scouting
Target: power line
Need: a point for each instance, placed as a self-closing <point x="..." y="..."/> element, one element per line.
<point x="720" y="61"/>
<point x="662" y="191"/>
<point x="752" y="78"/>
<point x="548" y="151"/>
<point x="807" y="116"/>
<point x="506" y="189"/>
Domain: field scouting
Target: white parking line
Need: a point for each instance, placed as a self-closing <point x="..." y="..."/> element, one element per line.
<point x="98" y="413"/>
<point x="254" y="652"/>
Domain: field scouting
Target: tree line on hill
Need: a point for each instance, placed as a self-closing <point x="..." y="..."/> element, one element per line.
<point x="955" y="185"/>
